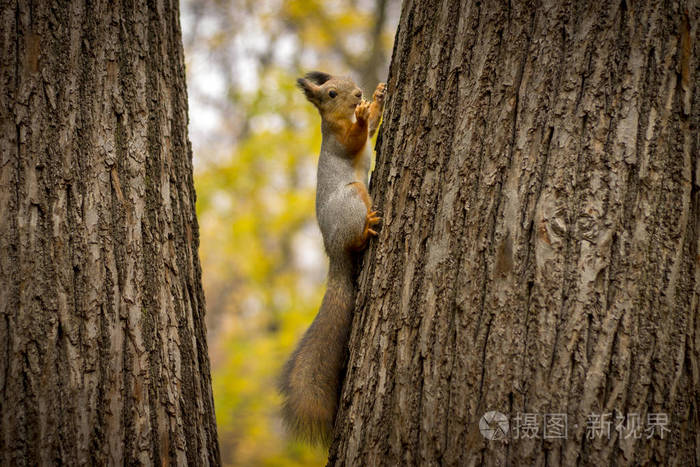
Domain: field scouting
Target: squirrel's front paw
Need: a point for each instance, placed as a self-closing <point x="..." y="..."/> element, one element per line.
<point x="362" y="110"/>
<point x="379" y="93"/>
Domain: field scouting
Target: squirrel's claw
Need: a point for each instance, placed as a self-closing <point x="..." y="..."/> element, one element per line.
<point x="372" y="219"/>
<point x="379" y="93"/>
<point x="362" y="110"/>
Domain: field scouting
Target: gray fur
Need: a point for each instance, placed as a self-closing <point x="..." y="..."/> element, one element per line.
<point x="340" y="212"/>
<point x="318" y="359"/>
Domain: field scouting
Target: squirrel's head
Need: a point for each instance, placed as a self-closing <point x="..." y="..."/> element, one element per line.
<point x="334" y="97"/>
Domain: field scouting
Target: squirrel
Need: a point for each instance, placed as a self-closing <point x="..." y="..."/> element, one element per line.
<point x="310" y="380"/>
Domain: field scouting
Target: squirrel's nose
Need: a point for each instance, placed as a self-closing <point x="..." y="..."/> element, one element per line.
<point x="358" y="94"/>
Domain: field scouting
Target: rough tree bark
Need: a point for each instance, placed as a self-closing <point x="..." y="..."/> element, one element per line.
<point x="538" y="173"/>
<point x="103" y="355"/>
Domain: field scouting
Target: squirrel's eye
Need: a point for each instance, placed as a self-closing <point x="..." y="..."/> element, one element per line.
<point x="332" y="94"/>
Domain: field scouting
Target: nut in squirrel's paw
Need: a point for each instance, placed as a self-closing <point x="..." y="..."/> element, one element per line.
<point x="362" y="110"/>
<point x="379" y="93"/>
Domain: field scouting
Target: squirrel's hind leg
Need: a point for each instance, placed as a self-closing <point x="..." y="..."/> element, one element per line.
<point x="352" y="220"/>
<point x="371" y="218"/>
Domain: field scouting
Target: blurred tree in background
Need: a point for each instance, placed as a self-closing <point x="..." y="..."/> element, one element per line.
<point x="256" y="143"/>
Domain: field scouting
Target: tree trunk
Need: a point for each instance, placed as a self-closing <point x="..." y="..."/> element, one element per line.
<point x="103" y="355"/>
<point x="538" y="174"/>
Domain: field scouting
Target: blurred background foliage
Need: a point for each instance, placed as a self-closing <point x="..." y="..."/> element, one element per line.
<point x="256" y="143"/>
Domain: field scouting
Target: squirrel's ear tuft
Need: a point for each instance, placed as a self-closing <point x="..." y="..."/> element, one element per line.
<point x="318" y="77"/>
<point x="310" y="90"/>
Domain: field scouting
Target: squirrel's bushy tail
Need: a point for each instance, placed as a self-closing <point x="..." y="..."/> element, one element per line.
<point x="311" y="377"/>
